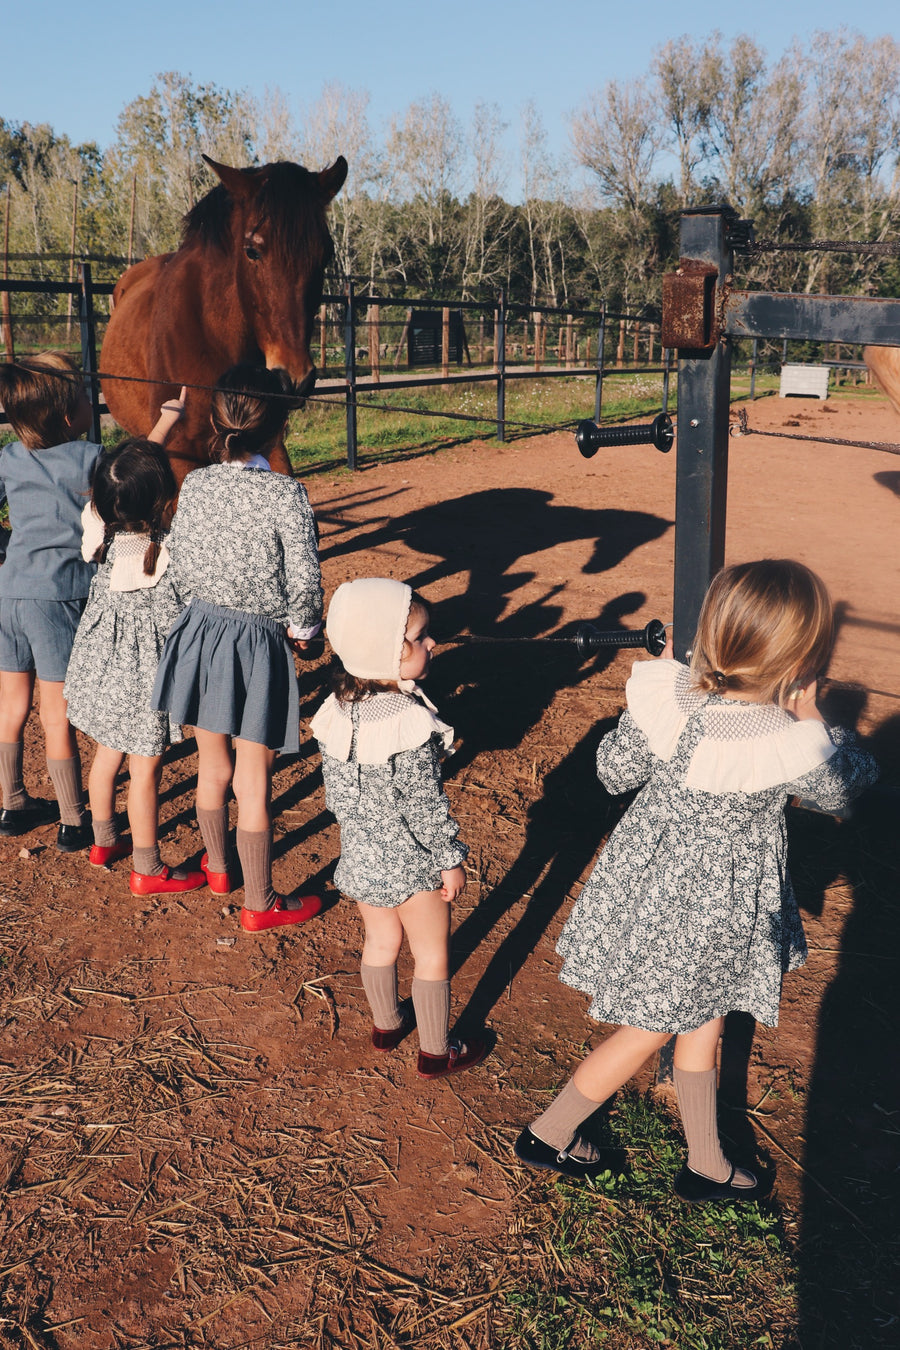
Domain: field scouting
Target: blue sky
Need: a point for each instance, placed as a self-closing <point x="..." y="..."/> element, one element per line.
<point x="76" y="68"/>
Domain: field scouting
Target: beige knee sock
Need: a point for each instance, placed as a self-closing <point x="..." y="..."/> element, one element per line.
<point x="558" y="1125"/>
<point x="254" y="849"/>
<point x="431" y="1000"/>
<point x="380" y="985"/>
<point x="105" y="833"/>
<point x="147" y="862"/>
<point x="15" y="798"/>
<point x="66" y="776"/>
<point x="214" y="829"/>
<point x="697" y="1105"/>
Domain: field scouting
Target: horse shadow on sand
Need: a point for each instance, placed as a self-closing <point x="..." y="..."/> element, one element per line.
<point x="495" y="694"/>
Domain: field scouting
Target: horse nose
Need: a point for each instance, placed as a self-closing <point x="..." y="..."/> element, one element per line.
<point x="307" y="383"/>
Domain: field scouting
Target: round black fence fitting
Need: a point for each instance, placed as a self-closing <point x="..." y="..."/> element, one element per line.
<point x="660" y="432"/>
<point x="589" y="639"/>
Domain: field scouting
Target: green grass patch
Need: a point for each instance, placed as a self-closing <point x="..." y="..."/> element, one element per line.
<point x="624" y="1263"/>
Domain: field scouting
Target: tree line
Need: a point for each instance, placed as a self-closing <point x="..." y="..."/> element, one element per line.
<point x="807" y="145"/>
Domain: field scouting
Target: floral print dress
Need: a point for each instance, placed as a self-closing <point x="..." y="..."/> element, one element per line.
<point x="689" y="912"/>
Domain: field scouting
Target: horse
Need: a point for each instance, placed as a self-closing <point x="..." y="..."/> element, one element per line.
<point x="244" y="285"/>
<point x="884" y="364"/>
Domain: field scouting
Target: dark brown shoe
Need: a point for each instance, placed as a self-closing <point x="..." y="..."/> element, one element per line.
<point x="460" y="1056"/>
<point x="389" y="1040"/>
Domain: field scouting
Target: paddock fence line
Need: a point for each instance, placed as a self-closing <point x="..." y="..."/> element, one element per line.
<point x="366" y="344"/>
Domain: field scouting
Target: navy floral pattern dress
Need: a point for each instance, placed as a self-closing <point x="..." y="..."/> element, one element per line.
<point x="381" y="759"/>
<point x="689" y="912"/>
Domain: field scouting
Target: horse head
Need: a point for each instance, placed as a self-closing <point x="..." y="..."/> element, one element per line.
<point x="272" y="222"/>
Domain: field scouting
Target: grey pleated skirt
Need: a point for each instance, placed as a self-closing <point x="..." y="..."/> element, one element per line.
<point x="231" y="672"/>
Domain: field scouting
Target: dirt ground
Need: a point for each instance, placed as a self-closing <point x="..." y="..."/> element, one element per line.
<point x="194" y="1126"/>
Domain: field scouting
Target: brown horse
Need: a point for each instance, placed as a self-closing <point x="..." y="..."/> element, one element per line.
<point x="884" y="363"/>
<point x="244" y="286"/>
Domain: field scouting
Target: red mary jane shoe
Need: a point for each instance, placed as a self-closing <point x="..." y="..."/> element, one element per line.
<point x="255" y="920"/>
<point x="165" y="881"/>
<point x="101" y="855"/>
<point x="219" y="882"/>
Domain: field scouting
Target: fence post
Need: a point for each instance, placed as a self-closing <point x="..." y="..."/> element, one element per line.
<point x="571" y="347"/>
<point x="350" y="375"/>
<point x="323" y="337"/>
<point x="6" y="310"/>
<point x="445" y="342"/>
<point x="375" y="342"/>
<point x="500" y="350"/>
<point x="753" y="356"/>
<point x="636" y="349"/>
<point x="667" y="370"/>
<point x="538" y="335"/>
<point x="620" y="350"/>
<point x="598" y="389"/>
<point x="89" y="344"/>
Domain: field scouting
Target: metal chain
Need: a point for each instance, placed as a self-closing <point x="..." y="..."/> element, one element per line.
<point x="742" y="428"/>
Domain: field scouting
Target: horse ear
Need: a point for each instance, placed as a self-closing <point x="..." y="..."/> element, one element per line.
<point x="239" y="182"/>
<point x="332" y="180"/>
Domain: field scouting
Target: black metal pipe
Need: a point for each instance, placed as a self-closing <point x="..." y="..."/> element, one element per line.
<point x="660" y="432"/>
<point x="588" y="639"/>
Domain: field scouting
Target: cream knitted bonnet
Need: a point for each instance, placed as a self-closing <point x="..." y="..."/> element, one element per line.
<point x="366" y="626"/>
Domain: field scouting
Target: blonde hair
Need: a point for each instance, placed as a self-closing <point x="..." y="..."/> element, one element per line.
<point x="763" y="626"/>
<point x="40" y="396"/>
<point x="250" y="409"/>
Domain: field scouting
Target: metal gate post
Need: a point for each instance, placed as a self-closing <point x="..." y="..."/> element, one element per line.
<point x="704" y="381"/>
<point x="501" y="367"/>
<point x="350" y="376"/>
<point x="89" y="345"/>
<point x="601" y="338"/>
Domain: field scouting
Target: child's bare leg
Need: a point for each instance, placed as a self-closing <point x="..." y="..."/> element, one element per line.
<point x="62" y="752"/>
<point x="213" y="781"/>
<point x="16" y="694"/>
<point x="614" y="1061"/>
<point x="378" y="968"/>
<point x="145" y="772"/>
<point x="253" y="764"/>
<point x="102" y="794"/>
<point x="695" y="1084"/>
<point x="425" y="917"/>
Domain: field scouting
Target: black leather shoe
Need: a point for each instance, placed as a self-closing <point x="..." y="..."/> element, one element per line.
<point x="696" y="1189"/>
<point x="533" y="1151"/>
<point x="73" y="838"/>
<point x="25" y="818"/>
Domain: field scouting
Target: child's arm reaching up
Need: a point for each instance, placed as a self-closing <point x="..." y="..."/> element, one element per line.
<point x="170" y="413"/>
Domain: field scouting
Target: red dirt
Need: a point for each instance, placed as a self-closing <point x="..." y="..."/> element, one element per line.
<point x="186" y="1076"/>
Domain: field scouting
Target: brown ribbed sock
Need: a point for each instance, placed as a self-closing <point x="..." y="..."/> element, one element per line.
<point x="254" y="849"/>
<point x="105" y="832"/>
<point x="147" y="862"/>
<point x="214" y="829"/>
<point x="431" y="1000"/>
<point x="12" y="785"/>
<point x="558" y="1125"/>
<point x="697" y="1106"/>
<point x="380" y="985"/>
<point x="66" y="777"/>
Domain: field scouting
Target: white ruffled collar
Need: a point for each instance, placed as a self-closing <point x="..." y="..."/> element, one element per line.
<point x="384" y="725"/>
<point x="745" y="747"/>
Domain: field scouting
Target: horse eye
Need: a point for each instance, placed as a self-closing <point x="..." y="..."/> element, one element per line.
<point x="252" y="253"/>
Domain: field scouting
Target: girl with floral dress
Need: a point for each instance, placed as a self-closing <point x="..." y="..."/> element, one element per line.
<point x="401" y="861"/>
<point x="689" y="912"/>
<point x="131" y="606"/>
<point x="245" y="557"/>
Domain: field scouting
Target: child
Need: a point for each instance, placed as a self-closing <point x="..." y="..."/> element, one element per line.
<point x="130" y="609"/>
<point x="382" y="744"/>
<point x="245" y="556"/>
<point x="44" y="582"/>
<point x="689" y="911"/>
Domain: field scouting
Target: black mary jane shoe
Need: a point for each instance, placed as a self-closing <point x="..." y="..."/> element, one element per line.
<point x="73" y="838"/>
<point x="25" y="818"/>
<point x="697" y="1189"/>
<point x="533" y="1151"/>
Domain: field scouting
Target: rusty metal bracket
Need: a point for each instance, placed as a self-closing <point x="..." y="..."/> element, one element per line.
<point x="690" y="317"/>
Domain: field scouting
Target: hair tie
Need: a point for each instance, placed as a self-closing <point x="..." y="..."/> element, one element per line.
<point x="720" y="679"/>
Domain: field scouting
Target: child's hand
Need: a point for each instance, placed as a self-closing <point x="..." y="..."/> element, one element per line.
<point x="454" y="884"/>
<point x="170" y="413"/>
<point x="668" y="651"/>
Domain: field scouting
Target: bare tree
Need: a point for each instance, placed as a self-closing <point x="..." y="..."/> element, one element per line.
<point x="488" y="219"/>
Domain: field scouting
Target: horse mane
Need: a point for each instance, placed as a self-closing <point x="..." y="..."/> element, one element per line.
<point x="288" y="199"/>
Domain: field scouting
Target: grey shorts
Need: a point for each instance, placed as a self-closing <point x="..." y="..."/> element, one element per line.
<point x="38" y="635"/>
